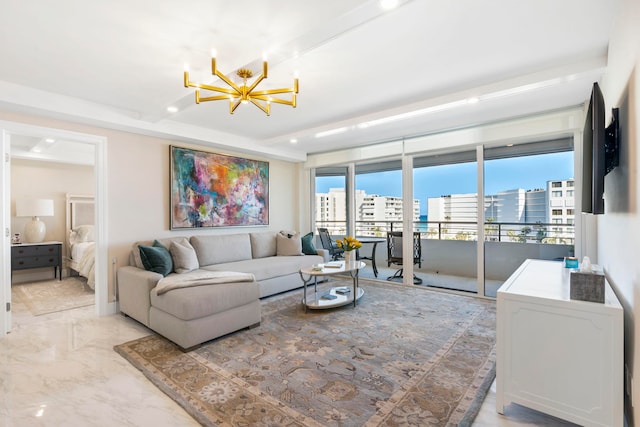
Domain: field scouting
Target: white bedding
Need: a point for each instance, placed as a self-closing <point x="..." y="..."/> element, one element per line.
<point x="83" y="261"/>
<point x="78" y="250"/>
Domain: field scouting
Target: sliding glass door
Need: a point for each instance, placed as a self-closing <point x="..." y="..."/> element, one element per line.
<point x="331" y="200"/>
<point x="378" y="211"/>
<point x="446" y="186"/>
<point x="479" y="213"/>
<point x="529" y="206"/>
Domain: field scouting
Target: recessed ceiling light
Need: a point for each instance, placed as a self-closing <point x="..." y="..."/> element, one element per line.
<point x="388" y="4"/>
<point x="473" y="100"/>
<point x="50" y="140"/>
<point x="172" y="109"/>
<point x="293" y="140"/>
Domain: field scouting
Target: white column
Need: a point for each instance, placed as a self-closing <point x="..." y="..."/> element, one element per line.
<point x="407" y="219"/>
<point x="351" y="199"/>
<point x="480" y="218"/>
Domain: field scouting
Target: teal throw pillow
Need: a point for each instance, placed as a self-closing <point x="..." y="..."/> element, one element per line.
<point x="307" y="245"/>
<point x="156" y="258"/>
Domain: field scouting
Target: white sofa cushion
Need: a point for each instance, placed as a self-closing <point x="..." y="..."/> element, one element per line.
<point x="223" y="248"/>
<point x="263" y="244"/>
<point x="270" y="267"/>
<point x="201" y="301"/>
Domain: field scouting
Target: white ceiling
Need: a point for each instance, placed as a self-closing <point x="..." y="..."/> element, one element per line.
<point x="119" y="64"/>
<point x="50" y="149"/>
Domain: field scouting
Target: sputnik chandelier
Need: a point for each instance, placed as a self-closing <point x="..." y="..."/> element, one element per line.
<point x="242" y="93"/>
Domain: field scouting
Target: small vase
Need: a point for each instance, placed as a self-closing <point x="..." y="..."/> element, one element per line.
<point x="349" y="256"/>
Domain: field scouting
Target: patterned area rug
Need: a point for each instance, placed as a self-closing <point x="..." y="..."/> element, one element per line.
<point x="51" y="296"/>
<point x="403" y="356"/>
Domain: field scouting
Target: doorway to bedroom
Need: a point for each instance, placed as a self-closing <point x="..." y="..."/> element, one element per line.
<point x="66" y="172"/>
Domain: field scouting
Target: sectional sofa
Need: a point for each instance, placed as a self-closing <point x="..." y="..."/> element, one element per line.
<point x="216" y="281"/>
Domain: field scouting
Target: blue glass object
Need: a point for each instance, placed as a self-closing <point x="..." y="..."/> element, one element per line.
<point x="571" y="262"/>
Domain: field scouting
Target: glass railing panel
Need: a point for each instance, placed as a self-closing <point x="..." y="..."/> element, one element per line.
<point x="449" y="250"/>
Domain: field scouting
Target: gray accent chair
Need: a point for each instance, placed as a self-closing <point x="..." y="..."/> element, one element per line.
<point x="327" y="243"/>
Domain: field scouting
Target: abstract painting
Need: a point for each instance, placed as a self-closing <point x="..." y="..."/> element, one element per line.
<point x="215" y="190"/>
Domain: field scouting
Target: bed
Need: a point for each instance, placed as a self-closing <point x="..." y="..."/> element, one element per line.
<point x="80" y="248"/>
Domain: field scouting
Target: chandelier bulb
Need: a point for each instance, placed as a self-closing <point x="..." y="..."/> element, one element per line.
<point x="214" y="53"/>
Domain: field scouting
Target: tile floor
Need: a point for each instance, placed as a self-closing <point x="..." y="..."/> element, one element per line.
<point x="60" y="370"/>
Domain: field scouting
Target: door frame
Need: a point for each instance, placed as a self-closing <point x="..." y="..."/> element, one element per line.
<point x="5" y="248"/>
<point x="102" y="304"/>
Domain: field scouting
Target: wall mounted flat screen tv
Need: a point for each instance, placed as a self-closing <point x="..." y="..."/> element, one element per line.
<point x="599" y="152"/>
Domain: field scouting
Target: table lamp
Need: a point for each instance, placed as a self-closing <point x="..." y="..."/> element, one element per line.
<point x="34" y="230"/>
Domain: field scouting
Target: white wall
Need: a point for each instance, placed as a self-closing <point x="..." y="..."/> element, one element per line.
<point x="138" y="188"/>
<point x="619" y="227"/>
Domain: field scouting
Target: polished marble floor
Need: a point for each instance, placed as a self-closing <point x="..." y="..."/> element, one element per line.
<point x="60" y="370"/>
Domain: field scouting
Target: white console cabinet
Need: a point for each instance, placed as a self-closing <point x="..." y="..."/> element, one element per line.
<point x="556" y="355"/>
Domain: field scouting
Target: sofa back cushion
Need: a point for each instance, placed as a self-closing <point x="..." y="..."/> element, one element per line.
<point x="263" y="244"/>
<point x="221" y="248"/>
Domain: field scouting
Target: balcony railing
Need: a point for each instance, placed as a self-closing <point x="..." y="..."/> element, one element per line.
<point x="543" y="233"/>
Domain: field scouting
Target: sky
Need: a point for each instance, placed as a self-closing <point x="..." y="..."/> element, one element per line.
<point x="528" y="173"/>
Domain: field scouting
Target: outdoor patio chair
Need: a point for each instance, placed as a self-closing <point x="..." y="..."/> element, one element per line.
<point x="328" y="244"/>
<point x="394" y="254"/>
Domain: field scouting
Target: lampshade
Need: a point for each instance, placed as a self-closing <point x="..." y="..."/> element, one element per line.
<point x="34" y="207"/>
<point x="35" y="229"/>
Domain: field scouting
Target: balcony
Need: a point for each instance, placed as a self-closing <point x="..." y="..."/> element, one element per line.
<point x="449" y="249"/>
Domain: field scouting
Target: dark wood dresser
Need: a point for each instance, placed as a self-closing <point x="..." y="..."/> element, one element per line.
<point x="26" y="256"/>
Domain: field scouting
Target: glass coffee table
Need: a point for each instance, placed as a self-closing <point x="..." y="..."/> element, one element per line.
<point x="336" y="296"/>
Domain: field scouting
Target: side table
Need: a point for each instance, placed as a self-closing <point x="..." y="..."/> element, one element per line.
<point x="317" y="301"/>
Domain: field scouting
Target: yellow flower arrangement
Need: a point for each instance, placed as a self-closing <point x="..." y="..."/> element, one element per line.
<point x="349" y="243"/>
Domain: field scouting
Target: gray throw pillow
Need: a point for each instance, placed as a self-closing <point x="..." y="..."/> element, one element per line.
<point x="288" y="243"/>
<point x="184" y="256"/>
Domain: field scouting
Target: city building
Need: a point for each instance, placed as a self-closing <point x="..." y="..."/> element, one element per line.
<point x="553" y="205"/>
<point x="561" y="206"/>
<point x="377" y="211"/>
